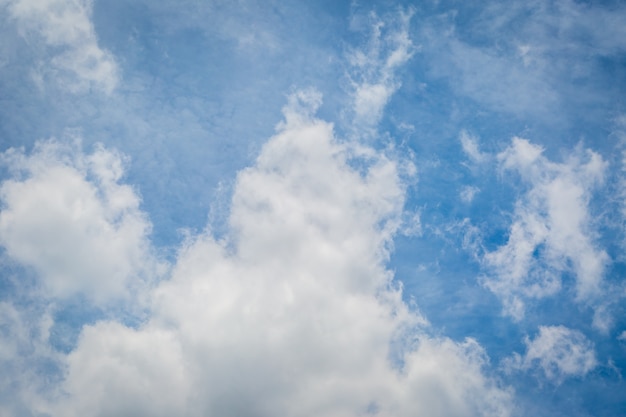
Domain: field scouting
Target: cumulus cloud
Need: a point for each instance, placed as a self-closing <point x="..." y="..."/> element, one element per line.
<point x="65" y="215"/>
<point x="552" y="232"/>
<point x="75" y="60"/>
<point x="558" y="352"/>
<point x="292" y="313"/>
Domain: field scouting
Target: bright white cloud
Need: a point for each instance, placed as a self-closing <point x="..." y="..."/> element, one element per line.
<point x="293" y="314"/>
<point x="552" y="232"/>
<point x="65" y="26"/>
<point x="65" y="215"/>
<point x="558" y="352"/>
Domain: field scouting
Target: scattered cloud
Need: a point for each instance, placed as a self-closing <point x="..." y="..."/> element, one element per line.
<point x="558" y="352"/>
<point x="75" y="60"/>
<point x="373" y="68"/>
<point x="411" y="224"/>
<point x="552" y="232"/>
<point x="471" y="149"/>
<point x="468" y="193"/>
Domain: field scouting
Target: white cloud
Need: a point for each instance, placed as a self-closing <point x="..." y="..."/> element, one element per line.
<point x="557" y="351"/>
<point x="411" y="224"/>
<point x="65" y="27"/>
<point x="373" y="77"/>
<point x="470" y="147"/>
<point x="552" y="231"/>
<point x="65" y="214"/>
<point x="24" y="354"/>
<point x="293" y="314"/>
<point x="468" y="193"/>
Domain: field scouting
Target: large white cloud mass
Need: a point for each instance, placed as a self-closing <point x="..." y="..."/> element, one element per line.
<point x="292" y="313"/>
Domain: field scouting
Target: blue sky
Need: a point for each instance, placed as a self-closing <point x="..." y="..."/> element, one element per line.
<point x="312" y="208"/>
